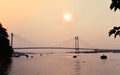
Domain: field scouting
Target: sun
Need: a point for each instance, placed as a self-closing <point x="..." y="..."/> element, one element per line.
<point x="67" y="17"/>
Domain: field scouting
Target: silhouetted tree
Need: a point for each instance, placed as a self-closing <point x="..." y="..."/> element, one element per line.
<point x="115" y="5"/>
<point x="3" y="31"/>
<point x="5" y="49"/>
<point x="115" y="31"/>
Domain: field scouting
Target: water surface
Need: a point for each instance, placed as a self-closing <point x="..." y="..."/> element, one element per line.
<point x="64" y="64"/>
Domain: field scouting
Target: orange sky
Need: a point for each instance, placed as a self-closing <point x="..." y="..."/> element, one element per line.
<point x="42" y="21"/>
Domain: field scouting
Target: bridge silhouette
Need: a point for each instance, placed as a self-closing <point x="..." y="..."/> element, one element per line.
<point x="76" y="47"/>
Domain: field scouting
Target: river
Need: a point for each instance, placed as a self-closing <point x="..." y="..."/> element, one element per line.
<point x="62" y="63"/>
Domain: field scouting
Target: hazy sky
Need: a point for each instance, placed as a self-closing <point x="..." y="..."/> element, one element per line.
<point x="42" y="21"/>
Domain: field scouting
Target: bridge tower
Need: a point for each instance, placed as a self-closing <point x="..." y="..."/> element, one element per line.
<point x="76" y="44"/>
<point x="12" y="39"/>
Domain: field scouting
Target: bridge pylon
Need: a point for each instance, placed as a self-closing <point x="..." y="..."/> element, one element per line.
<point x="12" y="35"/>
<point x="76" y="44"/>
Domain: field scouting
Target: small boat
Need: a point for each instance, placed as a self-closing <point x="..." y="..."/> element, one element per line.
<point x="40" y="54"/>
<point x="16" y="55"/>
<point x="103" y="57"/>
<point x="27" y="55"/>
<point x="74" y="56"/>
<point x="31" y="56"/>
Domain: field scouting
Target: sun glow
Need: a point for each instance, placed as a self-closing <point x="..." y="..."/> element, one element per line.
<point x="67" y="17"/>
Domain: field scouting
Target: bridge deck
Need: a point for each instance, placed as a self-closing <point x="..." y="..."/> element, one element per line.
<point x="94" y="49"/>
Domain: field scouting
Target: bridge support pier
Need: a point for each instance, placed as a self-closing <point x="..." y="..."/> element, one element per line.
<point x="76" y="44"/>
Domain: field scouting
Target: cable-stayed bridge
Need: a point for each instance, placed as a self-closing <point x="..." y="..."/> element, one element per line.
<point x="76" y="48"/>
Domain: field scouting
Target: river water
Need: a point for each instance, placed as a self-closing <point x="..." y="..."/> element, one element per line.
<point x="61" y="63"/>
